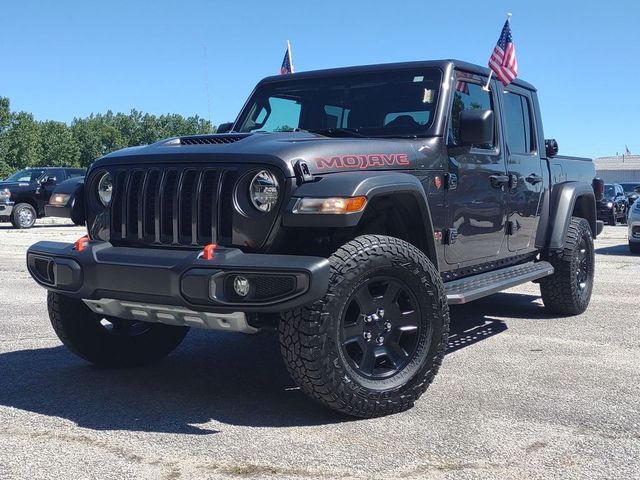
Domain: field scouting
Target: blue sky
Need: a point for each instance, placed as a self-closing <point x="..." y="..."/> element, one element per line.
<point x="67" y="59"/>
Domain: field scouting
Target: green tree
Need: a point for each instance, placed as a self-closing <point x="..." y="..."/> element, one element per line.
<point x="23" y="147"/>
<point x="59" y="147"/>
<point x="26" y="142"/>
<point x="5" y="120"/>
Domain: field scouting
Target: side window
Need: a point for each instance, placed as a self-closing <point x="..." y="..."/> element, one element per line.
<point x="468" y="96"/>
<point x="57" y="173"/>
<point x="518" y="123"/>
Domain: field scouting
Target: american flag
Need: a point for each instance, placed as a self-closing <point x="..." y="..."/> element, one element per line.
<point x="503" y="59"/>
<point x="287" y="66"/>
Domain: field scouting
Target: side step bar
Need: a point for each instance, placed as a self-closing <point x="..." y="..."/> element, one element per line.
<point x="483" y="284"/>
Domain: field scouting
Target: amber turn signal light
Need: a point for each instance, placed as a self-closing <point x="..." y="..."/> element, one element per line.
<point x="331" y="205"/>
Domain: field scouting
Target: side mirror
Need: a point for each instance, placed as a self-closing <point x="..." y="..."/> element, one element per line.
<point x="637" y="189"/>
<point x="551" y="147"/>
<point x="50" y="181"/>
<point x="224" y="127"/>
<point x="476" y="127"/>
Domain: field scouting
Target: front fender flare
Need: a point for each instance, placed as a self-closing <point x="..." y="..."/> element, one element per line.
<point x="352" y="184"/>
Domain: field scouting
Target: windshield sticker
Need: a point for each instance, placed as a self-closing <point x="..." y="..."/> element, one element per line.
<point x="363" y="161"/>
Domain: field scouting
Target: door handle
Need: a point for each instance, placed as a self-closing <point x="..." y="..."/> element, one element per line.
<point x="497" y="181"/>
<point x="533" y="179"/>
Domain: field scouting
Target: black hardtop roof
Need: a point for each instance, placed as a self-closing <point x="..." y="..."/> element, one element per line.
<point x="442" y="64"/>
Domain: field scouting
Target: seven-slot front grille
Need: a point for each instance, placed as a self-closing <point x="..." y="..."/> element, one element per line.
<point x="171" y="206"/>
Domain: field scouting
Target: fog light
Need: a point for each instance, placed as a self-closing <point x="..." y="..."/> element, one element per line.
<point x="241" y="286"/>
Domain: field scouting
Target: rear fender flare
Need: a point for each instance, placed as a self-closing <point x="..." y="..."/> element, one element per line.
<point x="562" y="203"/>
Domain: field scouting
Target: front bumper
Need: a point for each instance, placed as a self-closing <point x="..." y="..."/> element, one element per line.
<point x="179" y="277"/>
<point x="6" y="209"/>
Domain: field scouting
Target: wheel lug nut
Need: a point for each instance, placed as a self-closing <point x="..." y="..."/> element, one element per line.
<point x="380" y="312"/>
<point x="380" y="340"/>
<point x="387" y="326"/>
<point x="368" y="319"/>
<point x="367" y="335"/>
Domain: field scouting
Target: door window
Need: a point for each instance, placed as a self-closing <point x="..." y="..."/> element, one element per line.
<point x="518" y="119"/>
<point x="468" y="96"/>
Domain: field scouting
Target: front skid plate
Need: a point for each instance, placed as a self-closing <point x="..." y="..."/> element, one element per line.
<point x="230" y="322"/>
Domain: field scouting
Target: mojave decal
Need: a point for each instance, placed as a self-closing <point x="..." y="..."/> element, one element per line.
<point x="363" y="161"/>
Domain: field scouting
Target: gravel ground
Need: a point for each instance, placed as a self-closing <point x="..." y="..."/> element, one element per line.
<point x="521" y="395"/>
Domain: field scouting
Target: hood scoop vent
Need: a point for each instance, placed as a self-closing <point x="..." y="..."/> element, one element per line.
<point x="212" y="139"/>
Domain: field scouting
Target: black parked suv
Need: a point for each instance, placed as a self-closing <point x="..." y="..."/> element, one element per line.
<point x="614" y="206"/>
<point x="24" y="194"/>
<point x="632" y="191"/>
<point x="347" y="208"/>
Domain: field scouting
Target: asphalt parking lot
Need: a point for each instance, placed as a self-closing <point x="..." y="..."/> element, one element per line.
<point x="521" y="395"/>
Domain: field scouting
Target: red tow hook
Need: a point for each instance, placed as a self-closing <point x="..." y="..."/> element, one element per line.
<point x="81" y="243"/>
<point x="207" y="253"/>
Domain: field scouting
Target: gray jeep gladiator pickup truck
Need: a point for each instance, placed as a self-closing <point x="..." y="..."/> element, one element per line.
<point x="346" y="208"/>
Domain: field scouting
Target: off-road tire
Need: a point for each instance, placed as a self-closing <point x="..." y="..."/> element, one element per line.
<point x="15" y="215"/>
<point x="80" y="331"/>
<point x="561" y="292"/>
<point x="309" y="337"/>
<point x="634" y="247"/>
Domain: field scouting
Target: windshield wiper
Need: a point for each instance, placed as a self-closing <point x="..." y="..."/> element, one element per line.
<point x="338" y="132"/>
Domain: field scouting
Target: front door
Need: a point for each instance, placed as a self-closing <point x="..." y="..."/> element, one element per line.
<point x="525" y="166"/>
<point x="477" y="204"/>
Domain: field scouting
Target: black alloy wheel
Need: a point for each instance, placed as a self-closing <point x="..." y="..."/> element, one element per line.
<point x="381" y="327"/>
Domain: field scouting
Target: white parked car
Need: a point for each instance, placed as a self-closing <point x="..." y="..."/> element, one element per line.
<point x="634" y="227"/>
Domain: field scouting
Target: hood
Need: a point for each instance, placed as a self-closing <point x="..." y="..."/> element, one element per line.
<point x="322" y="154"/>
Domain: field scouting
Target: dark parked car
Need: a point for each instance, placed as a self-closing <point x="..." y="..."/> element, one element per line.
<point x="63" y="200"/>
<point x="632" y="191"/>
<point x="614" y="206"/>
<point x="397" y="190"/>
<point x="24" y="194"/>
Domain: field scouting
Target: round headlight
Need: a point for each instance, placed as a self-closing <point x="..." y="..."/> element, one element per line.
<point x="263" y="191"/>
<point x="105" y="188"/>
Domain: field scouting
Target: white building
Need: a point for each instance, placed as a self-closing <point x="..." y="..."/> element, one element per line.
<point x="618" y="169"/>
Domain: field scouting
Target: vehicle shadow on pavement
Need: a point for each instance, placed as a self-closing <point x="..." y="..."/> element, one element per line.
<point x="476" y="321"/>
<point x="620" y="250"/>
<point x="228" y="378"/>
<point x="212" y="377"/>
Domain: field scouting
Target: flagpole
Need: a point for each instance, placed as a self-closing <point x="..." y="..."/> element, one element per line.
<point x="290" y="57"/>
<point x="486" y="87"/>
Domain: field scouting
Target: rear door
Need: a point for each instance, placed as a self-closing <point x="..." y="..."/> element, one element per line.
<point x="476" y="207"/>
<point x="524" y="166"/>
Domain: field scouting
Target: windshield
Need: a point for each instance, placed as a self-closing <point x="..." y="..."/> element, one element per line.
<point x="397" y="103"/>
<point x="28" y="176"/>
